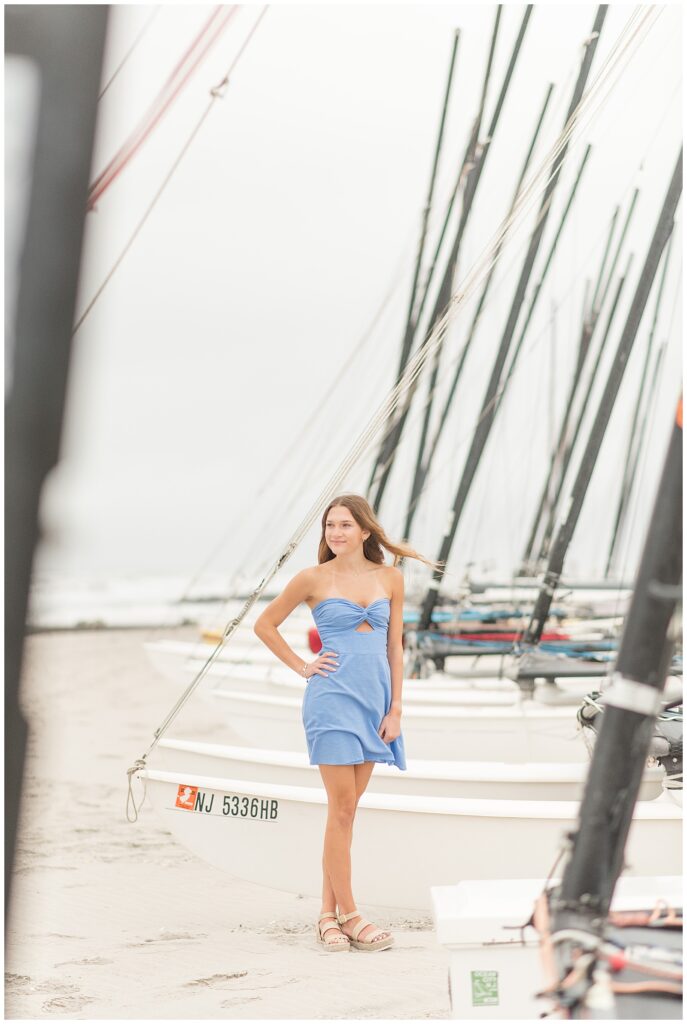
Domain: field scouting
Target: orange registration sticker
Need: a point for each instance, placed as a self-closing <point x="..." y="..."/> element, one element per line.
<point x="186" y="797"/>
<point x="679" y="413"/>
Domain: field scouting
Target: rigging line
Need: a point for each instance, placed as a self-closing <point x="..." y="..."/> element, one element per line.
<point x="567" y="295"/>
<point x="194" y="56"/>
<point x="622" y="48"/>
<point x="558" y="100"/>
<point x="414" y="366"/>
<point x="574" y="118"/>
<point x="271" y="478"/>
<point x="137" y="40"/>
<point x="534" y="342"/>
<point x="286" y="504"/>
<point x="399" y="272"/>
<point x="307" y="452"/>
<point x="216" y="93"/>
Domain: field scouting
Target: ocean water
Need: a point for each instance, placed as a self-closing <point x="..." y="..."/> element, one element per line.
<point x="59" y="601"/>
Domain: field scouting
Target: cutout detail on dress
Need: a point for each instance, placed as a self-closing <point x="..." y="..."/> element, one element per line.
<point x="364" y="627"/>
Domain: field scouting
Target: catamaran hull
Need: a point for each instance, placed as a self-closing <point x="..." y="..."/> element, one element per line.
<point x="251" y="664"/>
<point x="469" y="780"/>
<point x="526" y="732"/>
<point x="180" y="662"/>
<point x="402" y="845"/>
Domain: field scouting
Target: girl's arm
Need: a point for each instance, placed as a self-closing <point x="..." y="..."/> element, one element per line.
<point x="390" y="728"/>
<point x="296" y="591"/>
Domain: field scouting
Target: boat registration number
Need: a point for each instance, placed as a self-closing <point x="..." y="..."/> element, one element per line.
<point x="191" y="798"/>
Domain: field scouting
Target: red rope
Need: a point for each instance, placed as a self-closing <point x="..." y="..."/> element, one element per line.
<point x="190" y="60"/>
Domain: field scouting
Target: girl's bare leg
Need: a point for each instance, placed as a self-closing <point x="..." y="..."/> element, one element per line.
<point x="339" y="836"/>
<point x="362" y="773"/>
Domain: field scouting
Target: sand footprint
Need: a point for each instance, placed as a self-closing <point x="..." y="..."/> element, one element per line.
<point x="67" y="1004"/>
<point x="216" y="980"/>
<point x="89" y="961"/>
<point x="227" y="1004"/>
<point x="17" y="980"/>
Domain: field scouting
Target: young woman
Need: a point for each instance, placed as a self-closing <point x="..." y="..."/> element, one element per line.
<point x="352" y="713"/>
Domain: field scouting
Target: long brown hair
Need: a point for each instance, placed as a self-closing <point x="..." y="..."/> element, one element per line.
<point x="366" y="519"/>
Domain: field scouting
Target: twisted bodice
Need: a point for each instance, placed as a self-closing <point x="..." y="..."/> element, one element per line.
<point x="337" y="620"/>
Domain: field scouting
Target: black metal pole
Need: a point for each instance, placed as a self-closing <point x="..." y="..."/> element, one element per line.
<point x="631" y="703"/>
<point x="559" y="549"/>
<point x="64" y="43"/>
<point x="486" y="417"/>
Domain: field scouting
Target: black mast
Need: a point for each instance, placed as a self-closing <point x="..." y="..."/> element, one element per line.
<point x="411" y="319"/>
<point x="570" y="447"/>
<point x="631" y="702"/>
<point x="630" y="462"/>
<point x="487" y="413"/>
<point x="392" y="439"/>
<point x="559" y="549"/>
<point x="423" y="468"/>
<point x="540" y="282"/>
<point x="636" y="451"/>
<point x="590" y="317"/>
<point x="467" y="164"/>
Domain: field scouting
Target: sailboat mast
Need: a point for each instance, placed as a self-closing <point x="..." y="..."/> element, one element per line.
<point x="423" y="469"/>
<point x="476" y="166"/>
<point x="465" y="167"/>
<point x="411" y="319"/>
<point x="487" y="413"/>
<point x="631" y="703"/>
<point x="629" y="467"/>
<point x="589" y="321"/>
<point x="540" y="282"/>
<point x="570" y="448"/>
<point x="636" y="451"/>
<point x="564" y="536"/>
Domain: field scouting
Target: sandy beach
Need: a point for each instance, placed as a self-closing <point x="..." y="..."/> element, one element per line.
<point x="112" y="920"/>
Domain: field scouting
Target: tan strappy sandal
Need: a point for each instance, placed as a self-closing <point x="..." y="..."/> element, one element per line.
<point x="334" y="945"/>
<point x="372" y="941"/>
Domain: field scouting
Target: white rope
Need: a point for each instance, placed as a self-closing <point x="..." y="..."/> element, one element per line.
<point x="530" y="192"/>
<point x="132" y="811"/>
<point x="672" y="781"/>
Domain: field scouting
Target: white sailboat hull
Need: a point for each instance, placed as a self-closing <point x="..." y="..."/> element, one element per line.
<point x="524" y="732"/>
<point x="179" y="660"/>
<point x="271" y="677"/>
<point x="402" y="845"/>
<point x="465" y="779"/>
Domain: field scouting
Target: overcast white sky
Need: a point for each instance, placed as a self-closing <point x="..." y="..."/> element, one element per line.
<point x="294" y="213"/>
